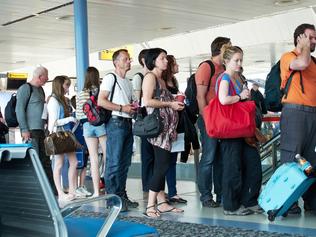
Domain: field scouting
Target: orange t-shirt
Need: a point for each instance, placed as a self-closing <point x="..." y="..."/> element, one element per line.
<point x="202" y="77"/>
<point x="295" y="95"/>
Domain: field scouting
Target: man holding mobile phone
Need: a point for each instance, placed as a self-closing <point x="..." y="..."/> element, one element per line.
<point x="298" y="120"/>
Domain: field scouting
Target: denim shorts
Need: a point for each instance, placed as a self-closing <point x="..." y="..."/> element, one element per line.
<point x="93" y="131"/>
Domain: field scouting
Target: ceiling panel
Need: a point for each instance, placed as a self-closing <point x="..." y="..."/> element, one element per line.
<point x="113" y="23"/>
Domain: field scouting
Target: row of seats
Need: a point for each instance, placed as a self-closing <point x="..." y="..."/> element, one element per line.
<point x="28" y="207"/>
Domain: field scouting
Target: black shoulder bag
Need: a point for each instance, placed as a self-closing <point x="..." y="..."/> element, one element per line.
<point x="149" y="126"/>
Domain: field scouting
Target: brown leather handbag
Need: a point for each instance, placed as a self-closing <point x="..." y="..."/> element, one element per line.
<point x="61" y="142"/>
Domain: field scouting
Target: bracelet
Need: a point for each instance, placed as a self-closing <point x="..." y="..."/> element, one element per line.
<point x="121" y="107"/>
<point x="239" y="97"/>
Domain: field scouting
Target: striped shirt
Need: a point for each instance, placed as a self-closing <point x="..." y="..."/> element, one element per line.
<point x="81" y="98"/>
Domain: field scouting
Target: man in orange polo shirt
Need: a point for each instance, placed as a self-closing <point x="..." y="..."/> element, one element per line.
<point x="205" y="87"/>
<point x="298" y="120"/>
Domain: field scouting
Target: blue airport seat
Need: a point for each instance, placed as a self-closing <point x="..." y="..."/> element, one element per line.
<point x="28" y="207"/>
<point x="119" y="228"/>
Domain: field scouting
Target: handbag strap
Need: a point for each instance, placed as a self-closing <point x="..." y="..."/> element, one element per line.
<point x="157" y="90"/>
<point x="157" y="95"/>
<point x="231" y="85"/>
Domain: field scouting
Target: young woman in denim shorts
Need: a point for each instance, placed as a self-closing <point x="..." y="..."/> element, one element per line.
<point x="94" y="135"/>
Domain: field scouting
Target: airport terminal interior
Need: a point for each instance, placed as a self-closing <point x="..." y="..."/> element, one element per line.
<point x="43" y="32"/>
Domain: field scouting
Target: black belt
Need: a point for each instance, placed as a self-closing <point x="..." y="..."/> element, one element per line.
<point x="121" y="118"/>
<point x="300" y="107"/>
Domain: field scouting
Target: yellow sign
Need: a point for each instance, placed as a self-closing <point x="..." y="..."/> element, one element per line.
<point x="16" y="75"/>
<point x="108" y="53"/>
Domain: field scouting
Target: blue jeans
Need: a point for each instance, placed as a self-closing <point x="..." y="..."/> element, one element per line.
<point x="210" y="152"/>
<point x="119" y="149"/>
<point x="172" y="175"/>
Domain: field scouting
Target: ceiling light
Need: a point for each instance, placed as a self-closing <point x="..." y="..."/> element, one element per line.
<point x="20" y="61"/>
<point x="65" y="17"/>
<point x="284" y="3"/>
<point x="166" y="28"/>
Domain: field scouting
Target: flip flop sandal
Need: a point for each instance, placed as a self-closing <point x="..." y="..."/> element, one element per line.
<point x="172" y="209"/>
<point x="154" y="212"/>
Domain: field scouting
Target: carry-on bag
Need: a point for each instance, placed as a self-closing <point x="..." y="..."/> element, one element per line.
<point x="288" y="183"/>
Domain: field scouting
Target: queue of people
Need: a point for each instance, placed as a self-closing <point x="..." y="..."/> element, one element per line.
<point x="230" y="168"/>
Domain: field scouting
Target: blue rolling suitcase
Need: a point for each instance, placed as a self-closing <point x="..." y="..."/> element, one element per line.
<point x="286" y="186"/>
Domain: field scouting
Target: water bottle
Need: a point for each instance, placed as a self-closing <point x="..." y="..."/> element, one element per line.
<point x="304" y="164"/>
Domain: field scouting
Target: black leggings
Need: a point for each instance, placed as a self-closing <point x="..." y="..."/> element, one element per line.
<point x="161" y="166"/>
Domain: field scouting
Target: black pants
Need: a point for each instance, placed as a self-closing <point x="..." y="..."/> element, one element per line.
<point x="161" y="166"/>
<point x="2" y="139"/>
<point x="147" y="158"/>
<point x="251" y="176"/>
<point x="298" y="136"/>
<point x="232" y="178"/>
<point x="242" y="174"/>
<point x="38" y="137"/>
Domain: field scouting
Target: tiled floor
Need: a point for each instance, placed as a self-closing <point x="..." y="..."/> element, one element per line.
<point x="195" y="213"/>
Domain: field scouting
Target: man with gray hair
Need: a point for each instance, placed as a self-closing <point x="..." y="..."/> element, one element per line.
<point x="30" y="100"/>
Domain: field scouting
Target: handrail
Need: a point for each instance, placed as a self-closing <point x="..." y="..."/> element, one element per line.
<point x="270" y="142"/>
<point x="269" y="149"/>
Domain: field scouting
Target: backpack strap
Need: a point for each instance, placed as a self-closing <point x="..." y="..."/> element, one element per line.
<point x="141" y="91"/>
<point x="113" y="88"/>
<point x="288" y="83"/>
<point x="140" y="75"/>
<point x="211" y="64"/>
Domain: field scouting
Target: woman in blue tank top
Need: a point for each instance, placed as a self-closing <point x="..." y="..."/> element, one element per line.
<point x="241" y="163"/>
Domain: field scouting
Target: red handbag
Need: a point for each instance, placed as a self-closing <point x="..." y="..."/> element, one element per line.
<point x="230" y="121"/>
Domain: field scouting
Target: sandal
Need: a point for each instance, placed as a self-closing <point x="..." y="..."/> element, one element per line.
<point x="171" y="209"/>
<point x="151" y="213"/>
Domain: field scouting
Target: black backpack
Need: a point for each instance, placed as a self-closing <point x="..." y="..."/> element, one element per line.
<point x="97" y="115"/>
<point x="273" y="91"/>
<point x="192" y="107"/>
<point x="9" y="111"/>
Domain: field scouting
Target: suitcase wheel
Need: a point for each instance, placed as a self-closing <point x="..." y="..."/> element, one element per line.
<point x="285" y="214"/>
<point x="271" y="215"/>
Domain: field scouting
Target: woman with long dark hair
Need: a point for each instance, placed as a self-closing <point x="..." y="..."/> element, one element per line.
<point x="173" y="87"/>
<point x="156" y="61"/>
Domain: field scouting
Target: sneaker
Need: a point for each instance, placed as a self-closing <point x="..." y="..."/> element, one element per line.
<point x="307" y="207"/>
<point x="218" y="199"/>
<point x="241" y="211"/>
<point x="79" y="193"/>
<point x="84" y="190"/>
<point x="124" y="205"/>
<point x="210" y="203"/>
<point x="256" y="209"/>
<point x="131" y="204"/>
<point x="295" y="210"/>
